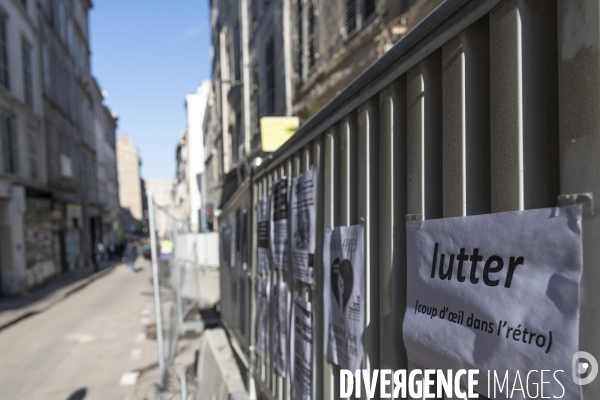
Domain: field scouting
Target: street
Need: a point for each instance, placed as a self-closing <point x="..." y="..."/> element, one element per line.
<point x="88" y="346"/>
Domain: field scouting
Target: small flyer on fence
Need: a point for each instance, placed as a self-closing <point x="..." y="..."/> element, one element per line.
<point x="262" y="236"/>
<point x="279" y="224"/>
<point x="232" y="239"/>
<point x="279" y="326"/>
<point x="262" y="316"/>
<point x="302" y="358"/>
<point x="344" y="299"/>
<point x="303" y="225"/>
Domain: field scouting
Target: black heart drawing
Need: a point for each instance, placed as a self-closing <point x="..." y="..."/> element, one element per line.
<point x="342" y="279"/>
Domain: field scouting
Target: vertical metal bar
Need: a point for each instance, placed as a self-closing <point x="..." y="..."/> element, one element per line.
<point x="524" y="125"/>
<point x="466" y="122"/>
<point x="256" y="195"/>
<point x="579" y="127"/>
<point x="368" y="212"/>
<point x="316" y="288"/>
<point x="348" y="170"/>
<point x="392" y="209"/>
<point x="466" y="148"/>
<point x="283" y="276"/>
<point x="271" y="381"/>
<point x="330" y="167"/>
<point x="347" y="198"/>
<point x="177" y="284"/>
<point x="288" y="277"/>
<point x="157" y="309"/>
<point x="424" y="141"/>
<point x="506" y="108"/>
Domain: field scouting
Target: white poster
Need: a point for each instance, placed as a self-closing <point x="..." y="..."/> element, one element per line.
<point x="232" y="240"/>
<point x="498" y="293"/>
<point x="262" y="236"/>
<point x="344" y="297"/>
<point x="279" y="224"/>
<point x="279" y="326"/>
<point x="302" y="359"/>
<point x="303" y="225"/>
<point x="262" y="316"/>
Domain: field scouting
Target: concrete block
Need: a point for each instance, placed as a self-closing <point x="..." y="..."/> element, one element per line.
<point x="218" y="374"/>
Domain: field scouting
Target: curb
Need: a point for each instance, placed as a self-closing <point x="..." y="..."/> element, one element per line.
<point x="76" y="287"/>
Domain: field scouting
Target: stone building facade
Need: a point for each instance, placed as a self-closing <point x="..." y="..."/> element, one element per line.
<point x="286" y="58"/>
<point x="50" y="208"/>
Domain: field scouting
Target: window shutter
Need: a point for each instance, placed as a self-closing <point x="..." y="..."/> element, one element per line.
<point x="4" y="81"/>
<point x="312" y="35"/>
<point x="350" y="16"/>
<point x="370" y="7"/>
<point x="298" y="42"/>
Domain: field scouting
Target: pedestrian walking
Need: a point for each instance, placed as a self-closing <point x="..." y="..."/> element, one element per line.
<point x="129" y="256"/>
<point x="98" y="254"/>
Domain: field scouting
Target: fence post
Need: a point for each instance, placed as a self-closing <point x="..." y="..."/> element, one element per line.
<point x="157" y="309"/>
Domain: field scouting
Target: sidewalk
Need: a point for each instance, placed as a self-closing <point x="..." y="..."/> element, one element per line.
<point x="15" y="309"/>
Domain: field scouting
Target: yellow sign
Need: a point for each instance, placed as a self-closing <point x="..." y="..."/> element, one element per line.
<point x="275" y="131"/>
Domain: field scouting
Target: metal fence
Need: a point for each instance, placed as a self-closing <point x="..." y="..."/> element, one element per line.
<point x="486" y="106"/>
<point x="178" y="261"/>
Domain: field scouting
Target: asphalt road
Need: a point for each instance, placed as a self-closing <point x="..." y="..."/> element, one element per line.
<point x="92" y="345"/>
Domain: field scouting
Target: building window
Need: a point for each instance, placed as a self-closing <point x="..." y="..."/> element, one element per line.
<point x="270" y="73"/>
<point x="33" y="150"/>
<point x="3" y="55"/>
<point x="369" y="8"/>
<point x="358" y="13"/>
<point x="27" y="74"/>
<point x="10" y="148"/>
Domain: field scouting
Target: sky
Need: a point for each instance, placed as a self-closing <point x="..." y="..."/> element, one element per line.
<point x="147" y="55"/>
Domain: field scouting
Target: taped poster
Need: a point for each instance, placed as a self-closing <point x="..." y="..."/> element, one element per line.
<point x="498" y="293"/>
<point x="279" y="324"/>
<point x="303" y="225"/>
<point x="243" y="248"/>
<point x="262" y="236"/>
<point x="279" y="224"/>
<point x="262" y="316"/>
<point x="344" y="299"/>
<point x="242" y="310"/>
<point x="302" y="360"/>
<point x="232" y="240"/>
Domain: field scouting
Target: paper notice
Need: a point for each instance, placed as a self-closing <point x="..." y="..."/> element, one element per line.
<point x="232" y="240"/>
<point x="303" y="225"/>
<point x="279" y="224"/>
<point x="302" y="359"/>
<point x="498" y="293"/>
<point x="262" y="236"/>
<point x="262" y="316"/>
<point x="279" y="325"/>
<point x="344" y="299"/>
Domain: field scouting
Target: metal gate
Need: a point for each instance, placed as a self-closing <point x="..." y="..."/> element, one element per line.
<point x="486" y="106"/>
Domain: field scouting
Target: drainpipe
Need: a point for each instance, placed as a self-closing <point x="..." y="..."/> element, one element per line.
<point x="287" y="57"/>
<point x="246" y="78"/>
